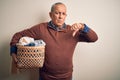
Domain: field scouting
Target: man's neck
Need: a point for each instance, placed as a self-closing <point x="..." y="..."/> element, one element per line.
<point x="58" y="28"/>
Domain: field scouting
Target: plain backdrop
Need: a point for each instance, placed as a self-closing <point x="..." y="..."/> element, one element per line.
<point x="92" y="61"/>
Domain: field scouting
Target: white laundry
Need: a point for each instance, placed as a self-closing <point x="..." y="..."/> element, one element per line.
<point x="28" y="41"/>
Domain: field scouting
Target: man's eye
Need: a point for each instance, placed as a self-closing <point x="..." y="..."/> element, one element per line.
<point x="64" y="13"/>
<point x="56" y="12"/>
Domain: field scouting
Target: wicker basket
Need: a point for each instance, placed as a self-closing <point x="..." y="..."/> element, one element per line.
<point x="30" y="56"/>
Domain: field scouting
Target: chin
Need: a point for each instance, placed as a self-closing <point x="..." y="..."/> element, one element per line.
<point x="59" y="24"/>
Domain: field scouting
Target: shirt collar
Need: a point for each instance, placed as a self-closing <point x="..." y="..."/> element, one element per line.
<point x="51" y="25"/>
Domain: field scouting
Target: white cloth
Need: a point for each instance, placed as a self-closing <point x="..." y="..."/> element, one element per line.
<point x="25" y="40"/>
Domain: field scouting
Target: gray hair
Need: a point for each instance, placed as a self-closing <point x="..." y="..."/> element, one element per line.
<point x="52" y="8"/>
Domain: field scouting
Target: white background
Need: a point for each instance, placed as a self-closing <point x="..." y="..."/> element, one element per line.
<point x="92" y="61"/>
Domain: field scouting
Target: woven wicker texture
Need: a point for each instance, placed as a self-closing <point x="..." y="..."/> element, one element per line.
<point x="30" y="57"/>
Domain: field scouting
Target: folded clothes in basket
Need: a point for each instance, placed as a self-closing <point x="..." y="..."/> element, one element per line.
<point x="36" y="43"/>
<point x="28" y="41"/>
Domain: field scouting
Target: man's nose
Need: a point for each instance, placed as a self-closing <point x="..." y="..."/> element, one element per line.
<point x="60" y="16"/>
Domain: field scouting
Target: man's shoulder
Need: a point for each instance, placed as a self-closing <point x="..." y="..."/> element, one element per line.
<point x="68" y="26"/>
<point x="40" y="25"/>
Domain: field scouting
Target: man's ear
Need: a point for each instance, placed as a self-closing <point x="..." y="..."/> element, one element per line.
<point x="50" y="14"/>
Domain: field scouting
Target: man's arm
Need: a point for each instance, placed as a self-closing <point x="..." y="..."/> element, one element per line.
<point x="85" y="33"/>
<point x="32" y="32"/>
<point x="89" y="36"/>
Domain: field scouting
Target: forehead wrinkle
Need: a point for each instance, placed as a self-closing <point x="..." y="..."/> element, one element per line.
<point x="60" y="8"/>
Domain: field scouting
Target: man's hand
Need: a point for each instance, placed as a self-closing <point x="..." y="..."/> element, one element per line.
<point x="14" y="64"/>
<point x="14" y="57"/>
<point x="76" y="27"/>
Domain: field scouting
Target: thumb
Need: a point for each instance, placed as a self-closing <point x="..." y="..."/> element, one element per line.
<point x="74" y="32"/>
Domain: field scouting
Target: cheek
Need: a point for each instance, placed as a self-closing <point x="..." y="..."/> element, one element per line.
<point x="64" y="17"/>
<point x="54" y="17"/>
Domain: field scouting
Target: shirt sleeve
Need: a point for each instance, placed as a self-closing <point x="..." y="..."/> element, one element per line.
<point x="13" y="49"/>
<point x="86" y="29"/>
<point x="87" y="35"/>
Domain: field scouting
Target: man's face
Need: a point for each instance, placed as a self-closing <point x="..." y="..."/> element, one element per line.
<point x="58" y="15"/>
